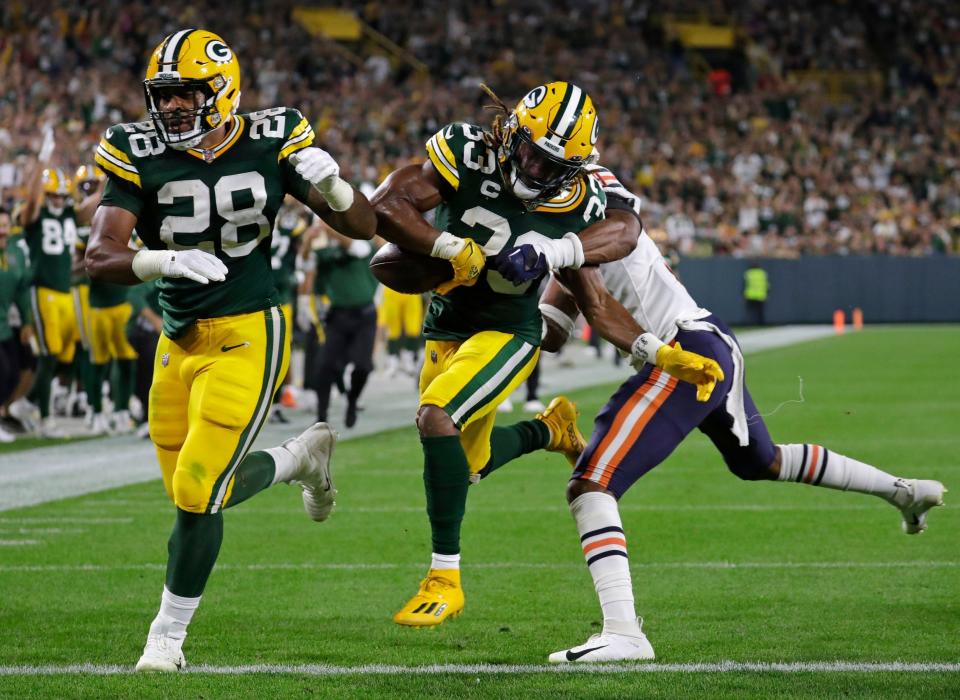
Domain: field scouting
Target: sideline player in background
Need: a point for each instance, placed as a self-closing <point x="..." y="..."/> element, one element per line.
<point x="341" y="271"/>
<point x="14" y="292"/>
<point x="651" y="413"/>
<point x="522" y="182"/>
<point x="88" y="182"/>
<point x="291" y="223"/>
<point x="203" y="184"/>
<point x="49" y="223"/>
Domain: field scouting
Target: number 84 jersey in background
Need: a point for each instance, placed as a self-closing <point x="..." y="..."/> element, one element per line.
<point x="477" y="205"/>
<point x="223" y="201"/>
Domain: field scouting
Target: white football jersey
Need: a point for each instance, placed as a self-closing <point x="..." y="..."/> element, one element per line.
<point x="642" y="281"/>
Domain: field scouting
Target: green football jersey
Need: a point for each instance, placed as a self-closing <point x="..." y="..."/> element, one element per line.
<point x="289" y="226"/>
<point x="223" y="200"/>
<point x="51" y="239"/>
<point x="483" y="209"/>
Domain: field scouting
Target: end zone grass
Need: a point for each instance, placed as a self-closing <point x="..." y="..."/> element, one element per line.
<point x="723" y="569"/>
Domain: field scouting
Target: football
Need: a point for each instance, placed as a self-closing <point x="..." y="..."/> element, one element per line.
<point x="409" y="273"/>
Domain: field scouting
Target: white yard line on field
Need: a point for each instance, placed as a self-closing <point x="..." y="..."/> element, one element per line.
<point x="368" y="566"/>
<point x="507" y="669"/>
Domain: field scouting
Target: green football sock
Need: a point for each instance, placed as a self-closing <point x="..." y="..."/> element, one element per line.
<point x="393" y="346"/>
<point x="95" y="386"/>
<point x="46" y="367"/>
<point x="511" y="441"/>
<point x="254" y="474"/>
<point x="126" y="376"/>
<point x="446" y="476"/>
<point x="193" y="549"/>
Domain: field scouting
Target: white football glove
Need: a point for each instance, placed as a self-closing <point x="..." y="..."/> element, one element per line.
<point x="196" y="265"/>
<point x="560" y="253"/>
<point x="318" y="167"/>
<point x="306" y="318"/>
<point x="47" y="145"/>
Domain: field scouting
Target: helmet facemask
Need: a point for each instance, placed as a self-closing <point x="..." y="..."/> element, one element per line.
<point x="201" y="118"/>
<point x="532" y="174"/>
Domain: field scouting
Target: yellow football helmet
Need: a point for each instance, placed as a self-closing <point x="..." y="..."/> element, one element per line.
<point x="548" y="138"/>
<point x="86" y="179"/>
<point x="55" y="182"/>
<point x="192" y="86"/>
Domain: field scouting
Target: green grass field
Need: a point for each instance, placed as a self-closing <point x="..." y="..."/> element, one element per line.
<point x="723" y="569"/>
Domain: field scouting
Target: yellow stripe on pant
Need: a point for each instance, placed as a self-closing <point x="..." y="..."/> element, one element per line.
<point x="469" y="379"/>
<point x="210" y="396"/>
<point x="108" y="337"/>
<point x="56" y="322"/>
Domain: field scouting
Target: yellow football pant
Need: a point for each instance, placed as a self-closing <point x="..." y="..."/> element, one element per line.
<point x="402" y="314"/>
<point x="469" y="379"/>
<point x="210" y="396"/>
<point x="108" y="336"/>
<point x="56" y="323"/>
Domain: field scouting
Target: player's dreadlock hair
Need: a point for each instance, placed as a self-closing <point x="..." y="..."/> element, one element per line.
<point x="495" y="137"/>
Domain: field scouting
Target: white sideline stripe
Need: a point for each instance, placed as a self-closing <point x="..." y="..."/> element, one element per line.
<point x="507" y="669"/>
<point x="66" y="521"/>
<point x="18" y="543"/>
<point x="370" y="566"/>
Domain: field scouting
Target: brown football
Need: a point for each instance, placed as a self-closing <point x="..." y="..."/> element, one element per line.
<point x="409" y="273"/>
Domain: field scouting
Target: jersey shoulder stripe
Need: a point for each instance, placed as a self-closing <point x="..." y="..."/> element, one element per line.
<point x="284" y="128"/>
<point x="612" y="186"/>
<point x="440" y="154"/>
<point x="113" y="156"/>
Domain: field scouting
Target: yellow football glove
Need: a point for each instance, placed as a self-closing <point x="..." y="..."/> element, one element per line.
<point x="467" y="265"/>
<point x="677" y="362"/>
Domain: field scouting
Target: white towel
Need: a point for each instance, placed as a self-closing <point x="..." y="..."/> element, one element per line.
<point x="735" y="395"/>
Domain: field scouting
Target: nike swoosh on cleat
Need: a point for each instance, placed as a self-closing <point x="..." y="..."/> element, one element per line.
<point x="228" y="348"/>
<point x="574" y="655"/>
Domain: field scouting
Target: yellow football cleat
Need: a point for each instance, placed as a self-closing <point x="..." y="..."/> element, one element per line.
<point x="439" y="597"/>
<point x="565" y="437"/>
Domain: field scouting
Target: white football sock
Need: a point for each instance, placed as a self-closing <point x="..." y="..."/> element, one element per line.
<point x="285" y="464"/>
<point x="605" y="549"/>
<point x="445" y="561"/>
<point x="816" y="465"/>
<point x="174" y="616"/>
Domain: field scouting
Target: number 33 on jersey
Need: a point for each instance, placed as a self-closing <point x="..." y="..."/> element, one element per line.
<point x="223" y="201"/>
<point x="480" y="207"/>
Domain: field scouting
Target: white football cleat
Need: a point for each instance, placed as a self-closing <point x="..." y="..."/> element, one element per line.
<point x="606" y="647"/>
<point x="50" y="429"/>
<point x="163" y="654"/>
<point x="534" y="406"/>
<point x="506" y="406"/>
<point x="914" y="497"/>
<point x="27" y="414"/>
<point x="313" y="449"/>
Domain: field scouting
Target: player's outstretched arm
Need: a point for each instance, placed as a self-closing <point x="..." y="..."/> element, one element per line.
<point x="614" y="323"/>
<point x="331" y="197"/>
<point x="559" y="310"/>
<point x="611" y="238"/>
<point x="109" y="257"/>
<point x="399" y="203"/>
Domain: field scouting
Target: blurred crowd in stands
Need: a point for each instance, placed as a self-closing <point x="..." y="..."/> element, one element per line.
<point x="754" y="155"/>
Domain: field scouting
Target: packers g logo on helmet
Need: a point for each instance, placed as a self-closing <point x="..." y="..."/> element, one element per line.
<point x="196" y="69"/>
<point x="548" y="139"/>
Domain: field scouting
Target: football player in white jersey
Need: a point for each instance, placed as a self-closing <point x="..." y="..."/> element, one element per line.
<point x="651" y="413"/>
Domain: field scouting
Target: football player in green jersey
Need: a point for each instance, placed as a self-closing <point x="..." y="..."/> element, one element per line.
<point x="291" y="222"/>
<point x="49" y="221"/>
<point x="203" y="184"/>
<point x="521" y="183"/>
